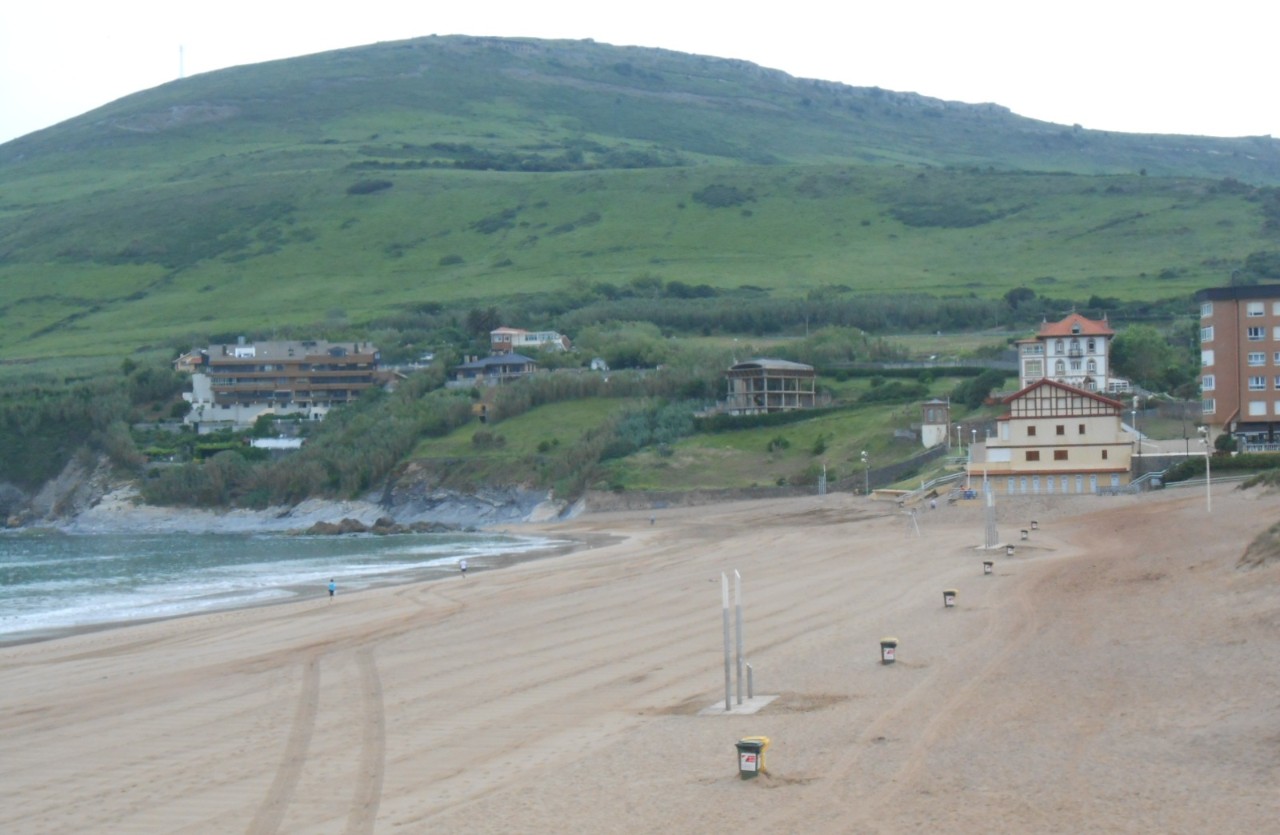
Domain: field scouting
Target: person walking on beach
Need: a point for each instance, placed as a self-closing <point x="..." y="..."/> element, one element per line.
<point x="462" y="566"/>
<point x="333" y="587"/>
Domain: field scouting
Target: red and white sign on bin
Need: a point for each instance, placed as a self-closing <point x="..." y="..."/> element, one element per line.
<point x="748" y="761"/>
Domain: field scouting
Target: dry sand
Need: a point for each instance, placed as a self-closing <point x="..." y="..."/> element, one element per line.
<point x="1118" y="674"/>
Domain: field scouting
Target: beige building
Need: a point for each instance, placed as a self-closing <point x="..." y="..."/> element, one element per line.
<point x="237" y="383"/>
<point x="1055" y="438"/>
<point x="512" y="340"/>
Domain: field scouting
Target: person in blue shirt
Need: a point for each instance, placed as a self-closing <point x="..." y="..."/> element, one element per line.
<point x="333" y="587"/>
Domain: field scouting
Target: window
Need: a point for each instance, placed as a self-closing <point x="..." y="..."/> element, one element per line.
<point x="1059" y="367"/>
<point x="1257" y="358"/>
<point x="1206" y="334"/>
<point x="1275" y="308"/>
<point x="1092" y="347"/>
<point x="1275" y="383"/>
<point x="1093" y="366"/>
<point x="1207" y="382"/>
<point x="1059" y="346"/>
<point x="1257" y="408"/>
<point x="1255" y="309"/>
<point x="1256" y="334"/>
<point x="1062" y="429"/>
<point x="1075" y="365"/>
<point x="1033" y="455"/>
<point x="1275" y="332"/>
<point x="1208" y="406"/>
<point x="1257" y="384"/>
<point x="1059" y="455"/>
<point x="1035" y="368"/>
<point x="1031" y="431"/>
<point x="1206" y="357"/>
<point x="1104" y="455"/>
<point x="1081" y="430"/>
<point x="1206" y="309"/>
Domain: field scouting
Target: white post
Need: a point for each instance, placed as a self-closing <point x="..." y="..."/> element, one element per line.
<point x="724" y="599"/>
<point x="737" y="601"/>
<point x="1208" y="495"/>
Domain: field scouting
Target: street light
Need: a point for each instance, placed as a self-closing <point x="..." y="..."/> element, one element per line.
<point x="866" y="474"/>
<point x="1136" y="433"/>
<point x="1208" y="495"/>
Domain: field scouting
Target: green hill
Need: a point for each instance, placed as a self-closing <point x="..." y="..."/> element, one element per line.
<point x="339" y="190"/>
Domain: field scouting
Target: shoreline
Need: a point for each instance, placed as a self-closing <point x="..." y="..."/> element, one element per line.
<point x="309" y="592"/>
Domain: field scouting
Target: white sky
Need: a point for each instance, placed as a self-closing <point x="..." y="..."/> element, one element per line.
<point x="1124" y="65"/>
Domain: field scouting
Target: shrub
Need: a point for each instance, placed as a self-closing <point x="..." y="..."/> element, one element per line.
<point x="368" y="186"/>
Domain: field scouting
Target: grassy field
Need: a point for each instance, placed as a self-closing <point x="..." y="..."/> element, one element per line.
<point x="322" y="194"/>
<point x="331" y="259"/>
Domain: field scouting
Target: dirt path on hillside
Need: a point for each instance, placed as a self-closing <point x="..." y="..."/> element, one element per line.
<point x="1117" y="674"/>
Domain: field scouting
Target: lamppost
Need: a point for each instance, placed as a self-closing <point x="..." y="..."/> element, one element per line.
<point x="1137" y="442"/>
<point x="959" y="440"/>
<point x="1208" y="495"/>
<point x="866" y="474"/>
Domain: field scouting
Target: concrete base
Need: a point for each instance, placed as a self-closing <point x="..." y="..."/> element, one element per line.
<point x="747" y="707"/>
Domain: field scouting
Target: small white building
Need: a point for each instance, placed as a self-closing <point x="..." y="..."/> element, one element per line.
<point x="935" y="422"/>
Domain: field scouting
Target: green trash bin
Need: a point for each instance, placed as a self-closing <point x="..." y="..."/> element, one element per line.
<point x="751" y="756"/>
<point x="888" y="650"/>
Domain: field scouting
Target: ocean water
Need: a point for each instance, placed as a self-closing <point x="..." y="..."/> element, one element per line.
<point x="51" y="583"/>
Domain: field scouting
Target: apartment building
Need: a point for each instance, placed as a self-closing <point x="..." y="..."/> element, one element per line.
<point x="237" y="383"/>
<point x="1055" y="438"/>
<point x="1240" y="361"/>
<point x="1075" y="351"/>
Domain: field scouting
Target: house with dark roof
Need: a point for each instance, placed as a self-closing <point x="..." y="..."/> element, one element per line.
<point x="494" y="369"/>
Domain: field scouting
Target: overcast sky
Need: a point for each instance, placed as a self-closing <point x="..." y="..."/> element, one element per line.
<point x="1122" y="65"/>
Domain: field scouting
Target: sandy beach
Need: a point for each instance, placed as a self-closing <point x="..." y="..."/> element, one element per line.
<point x="1118" y="673"/>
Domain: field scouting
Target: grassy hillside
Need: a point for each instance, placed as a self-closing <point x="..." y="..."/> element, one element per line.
<point x="325" y="193"/>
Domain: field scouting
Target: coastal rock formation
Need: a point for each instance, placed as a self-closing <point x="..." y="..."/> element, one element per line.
<point x="91" y="498"/>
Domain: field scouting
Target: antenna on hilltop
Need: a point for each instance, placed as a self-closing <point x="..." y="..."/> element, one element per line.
<point x="182" y="69"/>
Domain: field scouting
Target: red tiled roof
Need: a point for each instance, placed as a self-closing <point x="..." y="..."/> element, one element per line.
<point x="1088" y="327"/>
<point x="1047" y="381"/>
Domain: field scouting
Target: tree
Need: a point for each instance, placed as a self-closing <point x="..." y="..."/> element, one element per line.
<point x="1016" y="297"/>
<point x="1141" y="353"/>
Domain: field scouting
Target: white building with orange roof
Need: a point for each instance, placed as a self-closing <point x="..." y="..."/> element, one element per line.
<point x="1075" y="351"/>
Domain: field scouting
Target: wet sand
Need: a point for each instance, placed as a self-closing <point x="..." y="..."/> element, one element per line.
<point x="1119" y="673"/>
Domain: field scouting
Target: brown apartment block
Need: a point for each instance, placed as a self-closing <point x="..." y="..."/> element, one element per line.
<point x="298" y="374"/>
<point x="1240" y="361"/>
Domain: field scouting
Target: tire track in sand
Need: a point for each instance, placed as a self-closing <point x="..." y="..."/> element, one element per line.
<point x="270" y="814"/>
<point x="373" y="748"/>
